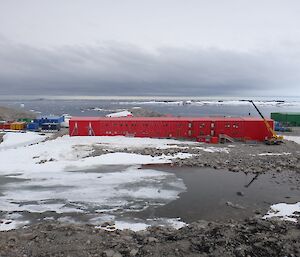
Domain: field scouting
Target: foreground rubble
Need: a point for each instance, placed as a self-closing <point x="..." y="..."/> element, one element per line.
<point x="252" y="237"/>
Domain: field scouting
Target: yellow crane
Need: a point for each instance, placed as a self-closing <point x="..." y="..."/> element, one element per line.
<point x="275" y="139"/>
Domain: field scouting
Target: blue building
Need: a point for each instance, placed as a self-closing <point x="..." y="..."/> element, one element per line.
<point x="49" y="119"/>
<point x="33" y="126"/>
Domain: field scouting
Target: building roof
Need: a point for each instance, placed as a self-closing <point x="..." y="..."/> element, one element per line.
<point x="287" y="113"/>
<point x="170" y="119"/>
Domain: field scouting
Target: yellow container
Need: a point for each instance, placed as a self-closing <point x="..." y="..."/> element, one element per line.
<point x="13" y="126"/>
<point x="18" y="125"/>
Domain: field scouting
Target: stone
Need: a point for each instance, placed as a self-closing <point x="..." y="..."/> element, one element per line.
<point x="133" y="252"/>
<point x="109" y="253"/>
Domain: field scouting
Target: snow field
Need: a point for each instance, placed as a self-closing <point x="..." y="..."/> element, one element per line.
<point x="58" y="175"/>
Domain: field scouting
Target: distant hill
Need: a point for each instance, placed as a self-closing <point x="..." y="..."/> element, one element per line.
<point x="8" y="114"/>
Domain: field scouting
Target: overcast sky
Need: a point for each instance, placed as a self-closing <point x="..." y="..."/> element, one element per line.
<point x="157" y="47"/>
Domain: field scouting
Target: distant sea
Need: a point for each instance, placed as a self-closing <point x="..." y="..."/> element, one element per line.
<point x="176" y="106"/>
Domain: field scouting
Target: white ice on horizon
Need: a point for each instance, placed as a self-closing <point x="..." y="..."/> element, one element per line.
<point x="119" y="114"/>
<point x="284" y="211"/>
<point x="212" y="102"/>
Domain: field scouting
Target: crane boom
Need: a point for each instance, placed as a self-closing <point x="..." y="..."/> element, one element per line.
<point x="275" y="139"/>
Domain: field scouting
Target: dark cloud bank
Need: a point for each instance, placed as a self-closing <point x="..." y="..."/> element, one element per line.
<point x="115" y="69"/>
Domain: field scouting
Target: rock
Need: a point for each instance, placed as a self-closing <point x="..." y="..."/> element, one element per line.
<point x="109" y="253"/>
<point x="239" y="193"/>
<point x="133" y="252"/>
<point x="117" y="254"/>
<point x="107" y="224"/>
<point x="152" y="240"/>
<point x="236" y="206"/>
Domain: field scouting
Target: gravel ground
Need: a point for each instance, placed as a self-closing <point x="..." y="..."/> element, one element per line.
<point x="248" y="158"/>
<point x="252" y="237"/>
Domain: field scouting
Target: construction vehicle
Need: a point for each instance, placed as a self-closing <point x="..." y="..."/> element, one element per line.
<point x="275" y="139"/>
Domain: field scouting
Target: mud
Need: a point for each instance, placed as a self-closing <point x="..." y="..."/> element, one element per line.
<point x="252" y="237"/>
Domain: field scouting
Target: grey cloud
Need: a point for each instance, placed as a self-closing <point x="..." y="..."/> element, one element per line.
<point x="119" y="69"/>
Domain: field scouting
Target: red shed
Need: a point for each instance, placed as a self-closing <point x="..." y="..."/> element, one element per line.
<point x="200" y="128"/>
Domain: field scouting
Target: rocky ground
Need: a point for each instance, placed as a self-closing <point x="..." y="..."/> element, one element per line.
<point x="251" y="238"/>
<point x="8" y="114"/>
<point x="248" y="158"/>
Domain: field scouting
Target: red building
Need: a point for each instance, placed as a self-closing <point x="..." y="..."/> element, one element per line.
<point x="203" y="129"/>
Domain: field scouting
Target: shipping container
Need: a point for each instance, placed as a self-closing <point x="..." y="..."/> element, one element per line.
<point x="4" y="125"/>
<point x="27" y="120"/>
<point x="201" y="129"/>
<point x="287" y="119"/>
<point x="18" y="126"/>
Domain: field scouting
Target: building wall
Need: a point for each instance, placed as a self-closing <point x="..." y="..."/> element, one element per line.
<point x="291" y="119"/>
<point x="199" y="129"/>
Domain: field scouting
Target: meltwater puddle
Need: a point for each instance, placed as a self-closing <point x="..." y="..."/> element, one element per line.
<point x="136" y="197"/>
<point x="95" y="196"/>
<point x="222" y="195"/>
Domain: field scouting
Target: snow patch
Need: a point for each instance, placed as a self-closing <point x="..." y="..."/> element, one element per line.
<point x="80" y="191"/>
<point x="212" y="149"/>
<point x="131" y="225"/>
<point x="284" y="211"/>
<point x="139" y="226"/>
<point x="17" y="139"/>
<point x="293" y="138"/>
<point x="71" y="153"/>
<point x="273" y="154"/>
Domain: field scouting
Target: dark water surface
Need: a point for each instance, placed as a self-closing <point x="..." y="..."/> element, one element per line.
<point x="221" y="195"/>
<point x="103" y="107"/>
